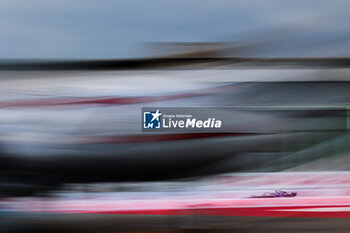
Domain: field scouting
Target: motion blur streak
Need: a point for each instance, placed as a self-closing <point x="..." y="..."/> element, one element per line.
<point x="77" y="153"/>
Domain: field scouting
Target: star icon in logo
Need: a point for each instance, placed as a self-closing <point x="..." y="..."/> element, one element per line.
<point x="156" y="115"/>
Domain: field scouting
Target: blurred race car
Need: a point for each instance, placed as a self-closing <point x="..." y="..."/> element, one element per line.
<point x="276" y="194"/>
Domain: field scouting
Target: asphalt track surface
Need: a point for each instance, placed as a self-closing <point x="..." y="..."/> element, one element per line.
<point x="160" y="223"/>
<point x="322" y="214"/>
<point x="319" y="207"/>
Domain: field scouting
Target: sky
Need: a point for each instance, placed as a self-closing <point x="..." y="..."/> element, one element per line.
<point x="85" y="29"/>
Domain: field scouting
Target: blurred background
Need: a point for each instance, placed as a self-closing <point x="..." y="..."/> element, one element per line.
<point x="74" y="76"/>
